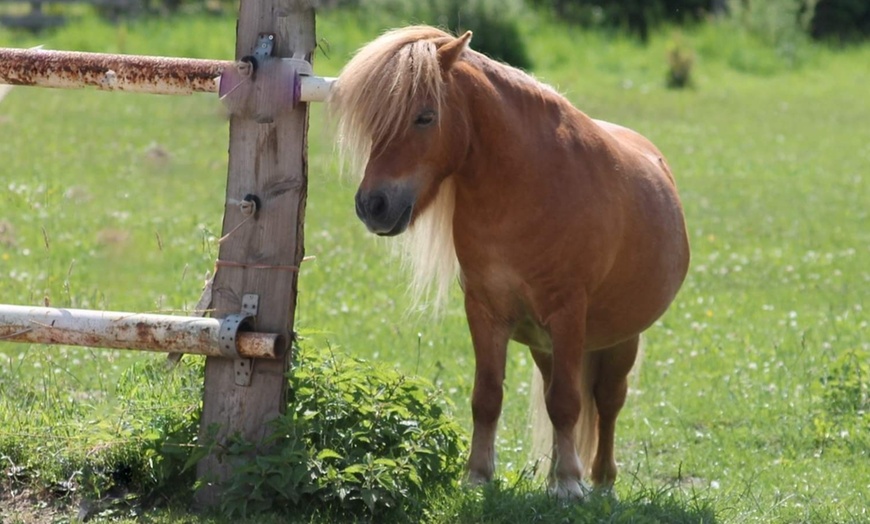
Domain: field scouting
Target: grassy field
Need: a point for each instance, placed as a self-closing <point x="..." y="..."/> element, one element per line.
<point x="751" y="405"/>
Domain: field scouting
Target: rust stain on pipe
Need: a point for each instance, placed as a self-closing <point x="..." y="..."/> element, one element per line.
<point x="259" y="345"/>
<point x="141" y="74"/>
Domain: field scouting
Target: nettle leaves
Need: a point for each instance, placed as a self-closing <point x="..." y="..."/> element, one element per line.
<point x="357" y="440"/>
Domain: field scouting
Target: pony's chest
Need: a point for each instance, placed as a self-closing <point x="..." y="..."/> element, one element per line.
<point x="508" y="296"/>
<point x="496" y="285"/>
<point x="505" y="297"/>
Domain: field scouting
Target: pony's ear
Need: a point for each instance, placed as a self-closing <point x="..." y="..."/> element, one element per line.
<point x="449" y="52"/>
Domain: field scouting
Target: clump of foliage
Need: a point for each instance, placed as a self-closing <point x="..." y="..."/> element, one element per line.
<point x="681" y="58"/>
<point x="357" y="440"/>
<point x="496" y="24"/>
<point x="844" y="419"/>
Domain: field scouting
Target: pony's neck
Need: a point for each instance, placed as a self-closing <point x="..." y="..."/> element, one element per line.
<point x="513" y="115"/>
<point x="508" y="79"/>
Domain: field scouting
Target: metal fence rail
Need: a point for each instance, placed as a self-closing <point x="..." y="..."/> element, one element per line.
<point x="140" y="74"/>
<point x="142" y="331"/>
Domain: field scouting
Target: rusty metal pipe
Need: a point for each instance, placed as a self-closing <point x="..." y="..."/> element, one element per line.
<point x="139" y="74"/>
<point x="119" y="330"/>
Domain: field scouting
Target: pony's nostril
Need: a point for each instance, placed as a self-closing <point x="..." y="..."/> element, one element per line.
<point x="377" y="205"/>
<point x="360" y="207"/>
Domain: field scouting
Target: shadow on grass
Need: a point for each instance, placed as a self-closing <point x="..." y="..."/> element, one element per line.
<point x="527" y="503"/>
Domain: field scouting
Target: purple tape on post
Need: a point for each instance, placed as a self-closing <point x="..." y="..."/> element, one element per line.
<point x="263" y="88"/>
<point x="297" y="88"/>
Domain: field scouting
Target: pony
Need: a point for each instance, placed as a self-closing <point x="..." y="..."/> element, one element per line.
<point x="567" y="233"/>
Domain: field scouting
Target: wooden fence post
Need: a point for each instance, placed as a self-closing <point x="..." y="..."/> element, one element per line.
<point x="268" y="160"/>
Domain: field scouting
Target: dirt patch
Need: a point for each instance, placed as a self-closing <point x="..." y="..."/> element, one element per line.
<point x="113" y="237"/>
<point x="24" y="506"/>
<point x="157" y="156"/>
<point x="78" y="194"/>
<point x="7" y="234"/>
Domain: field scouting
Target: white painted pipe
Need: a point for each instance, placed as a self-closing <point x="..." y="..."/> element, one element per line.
<point x="119" y="330"/>
<point x="316" y="88"/>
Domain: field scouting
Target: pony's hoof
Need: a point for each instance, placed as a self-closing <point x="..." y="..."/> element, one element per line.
<point x="568" y="490"/>
<point x="475" y="479"/>
<point x="607" y="492"/>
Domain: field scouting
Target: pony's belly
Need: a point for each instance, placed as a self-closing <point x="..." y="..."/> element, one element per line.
<point x="531" y="334"/>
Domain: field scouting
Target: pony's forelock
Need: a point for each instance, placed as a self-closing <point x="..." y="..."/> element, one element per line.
<point x="376" y="91"/>
<point x="373" y="101"/>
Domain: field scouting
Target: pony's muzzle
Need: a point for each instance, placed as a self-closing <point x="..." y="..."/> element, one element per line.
<point x="385" y="213"/>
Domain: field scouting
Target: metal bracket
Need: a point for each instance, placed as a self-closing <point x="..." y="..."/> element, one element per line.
<point x="262" y="86"/>
<point x="242" y="371"/>
<point x="265" y="44"/>
<point x="230" y="326"/>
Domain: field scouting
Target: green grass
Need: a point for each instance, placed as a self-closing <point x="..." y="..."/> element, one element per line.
<point x="113" y="201"/>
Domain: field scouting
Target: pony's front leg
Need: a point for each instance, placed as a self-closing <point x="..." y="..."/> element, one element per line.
<point x="567" y="330"/>
<point x="490" y="339"/>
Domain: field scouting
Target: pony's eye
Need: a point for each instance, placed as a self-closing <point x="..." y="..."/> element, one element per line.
<point x="424" y="119"/>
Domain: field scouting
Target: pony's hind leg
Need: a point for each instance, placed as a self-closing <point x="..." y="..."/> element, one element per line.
<point x="490" y="347"/>
<point x="610" y="390"/>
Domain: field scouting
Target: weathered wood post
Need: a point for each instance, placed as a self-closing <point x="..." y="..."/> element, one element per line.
<point x="260" y="257"/>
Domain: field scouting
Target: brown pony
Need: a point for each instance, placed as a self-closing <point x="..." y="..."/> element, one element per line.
<point x="567" y="232"/>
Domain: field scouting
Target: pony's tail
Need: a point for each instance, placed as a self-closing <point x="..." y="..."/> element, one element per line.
<point x="542" y="429"/>
<point x="586" y="430"/>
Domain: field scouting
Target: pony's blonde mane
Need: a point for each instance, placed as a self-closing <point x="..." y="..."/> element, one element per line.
<point x="372" y="101"/>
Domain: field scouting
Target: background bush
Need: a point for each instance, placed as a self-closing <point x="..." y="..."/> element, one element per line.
<point x="496" y="24"/>
<point x="780" y="24"/>
<point x="637" y="17"/>
<point x="843" y="20"/>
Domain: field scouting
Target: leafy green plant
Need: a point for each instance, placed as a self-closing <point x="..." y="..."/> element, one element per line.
<point x="681" y="58"/>
<point x="357" y="439"/>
